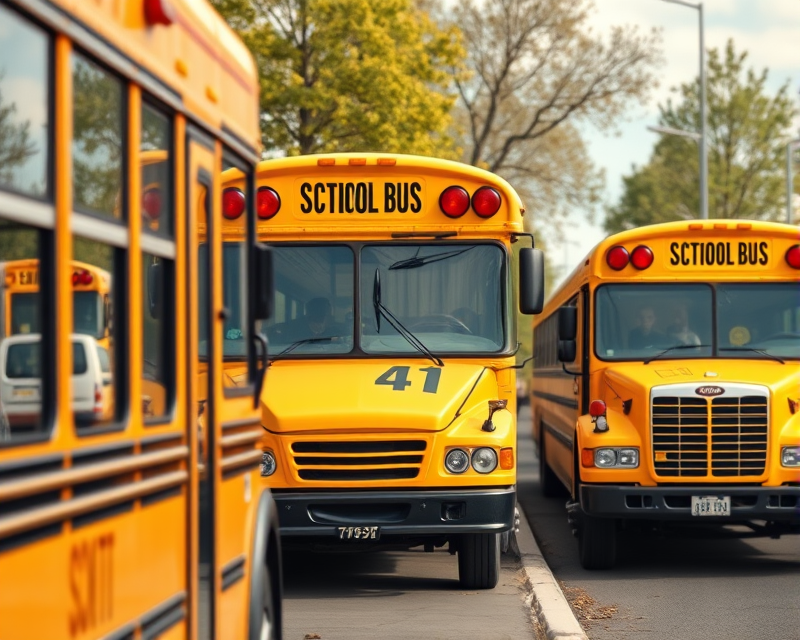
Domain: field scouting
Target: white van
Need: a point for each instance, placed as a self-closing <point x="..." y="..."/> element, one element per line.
<point x="20" y="380"/>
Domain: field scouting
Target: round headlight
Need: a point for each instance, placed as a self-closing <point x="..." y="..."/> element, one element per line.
<point x="268" y="464"/>
<point x="484" y="460"/>
<point x="456" y="461"/>
<point x="605" y="457"/>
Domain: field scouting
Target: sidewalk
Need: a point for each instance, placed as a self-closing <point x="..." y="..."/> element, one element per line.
<point x="549" y="603"/>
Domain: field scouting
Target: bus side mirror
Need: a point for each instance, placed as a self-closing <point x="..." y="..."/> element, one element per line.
<point x="567" y="350"/>
<point x="531" y="280"/>
<point x="567" y="323"/>
<point x="155" y="277"/>
<point x="263" y="282"/>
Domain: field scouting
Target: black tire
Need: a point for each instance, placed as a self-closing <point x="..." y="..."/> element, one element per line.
<point x="479" y="560"/>
<point x="551" y="486"/>
<point x="269" y="620"/>
<point x="597" y="543"/>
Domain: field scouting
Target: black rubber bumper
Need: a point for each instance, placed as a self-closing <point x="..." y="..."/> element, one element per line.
<point x="674" y="503"/>
<point x="397" y="512"/>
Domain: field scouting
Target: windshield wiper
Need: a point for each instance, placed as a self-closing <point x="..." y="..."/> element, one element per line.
<point x="298" y="343"/>
<point x="677" y="346"/>
<point x="761" y="351"/>
<point x="380" y="310"/>
<point x="416" y="261"/>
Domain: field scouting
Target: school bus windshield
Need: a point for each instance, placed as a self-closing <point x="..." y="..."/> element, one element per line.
<point x="743" y="320"/>
<point x="430" y="289"/>
<point x="87" y="313"/>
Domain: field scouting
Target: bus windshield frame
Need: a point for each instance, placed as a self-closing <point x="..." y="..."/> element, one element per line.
<point x="694" y="320"/>
<point x="407" y="269"/>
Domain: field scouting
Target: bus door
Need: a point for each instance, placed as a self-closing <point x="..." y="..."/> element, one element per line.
<point x="200" y="162"/>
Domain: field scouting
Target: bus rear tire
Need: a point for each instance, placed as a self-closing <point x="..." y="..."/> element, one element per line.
<point x="479" y="560"/>
<point x="597" y="543"/>
<point x="550" y="484"/>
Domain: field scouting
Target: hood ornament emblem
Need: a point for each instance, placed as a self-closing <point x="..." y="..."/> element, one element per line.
<point x="709" y="391"/>
<point x="710" y="374"/>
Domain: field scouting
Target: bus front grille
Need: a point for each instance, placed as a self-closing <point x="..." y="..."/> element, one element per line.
<point x="358" y="460"/>
<point x="699" y="437"/>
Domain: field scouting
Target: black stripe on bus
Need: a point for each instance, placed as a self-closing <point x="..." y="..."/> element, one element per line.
<point x="163" y="617"/>
<point x="88" y="455"/>
<point x="28" y="466"/>
<point x="233" y="572"/>
<point x="126" y="633"/>
<point x="244" y="467"/>
<point x="29" y="537"/>
<point x="160" y="439"/>
<point x="161" y="495"/>
<point x="572" y="403"/>
<point x="562" y="437"/>
<point x="101" y="514"/>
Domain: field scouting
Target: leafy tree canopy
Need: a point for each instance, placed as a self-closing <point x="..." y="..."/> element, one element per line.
<point x="747" y="133"/>
<point x="350" y="75"/>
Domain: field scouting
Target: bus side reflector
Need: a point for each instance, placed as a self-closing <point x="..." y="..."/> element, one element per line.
<point x="507" y="458"/>
<point x="641" y="257"/>
<point x="233" y="203"/>
<point x="587" y="457"/>
<point x="386" y="162"/>
<point x="793" y="257"/>
<point x="486" y="202"/>
<point x="720" y="225"/>
<point x="357" y="162"/>
<point x="158" y="12"/>
<point x="617" y="257"/>
<point x="326" y="162"/>
<point x="268" y="203"/>
<point x="454" y="201"/>
<point x="695" y="226"/>
<point x="744" y="226"/>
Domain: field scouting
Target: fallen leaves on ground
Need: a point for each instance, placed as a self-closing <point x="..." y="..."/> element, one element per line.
<point x="312" y="636"/>
<point x="586" y="607"/>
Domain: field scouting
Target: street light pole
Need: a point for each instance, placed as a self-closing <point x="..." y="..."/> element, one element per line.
<point x="703" y="141"/>
<point x="790" y="180"/>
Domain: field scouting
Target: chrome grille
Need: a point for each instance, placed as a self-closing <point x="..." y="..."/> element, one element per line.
<point x="721" y="437"/>
<point x="358" y="460"/>
<point x="680" y="436"/>
<point x="739" y="436"/>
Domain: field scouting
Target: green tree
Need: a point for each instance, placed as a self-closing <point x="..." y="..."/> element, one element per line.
<point x="349" y="75"/>
<point x="16" y="145"/>
<point x="538" y="72"/>
<point x="747" y="135"/>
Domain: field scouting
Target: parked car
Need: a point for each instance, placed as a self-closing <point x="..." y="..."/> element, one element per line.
<point x="20" y="380"/>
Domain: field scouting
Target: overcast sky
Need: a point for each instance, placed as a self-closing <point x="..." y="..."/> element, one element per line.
<point x="768" y="29"/>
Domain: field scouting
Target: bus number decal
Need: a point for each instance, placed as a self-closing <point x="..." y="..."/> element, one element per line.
<point x="401" y="381"/>
<point x="91" y="579"/>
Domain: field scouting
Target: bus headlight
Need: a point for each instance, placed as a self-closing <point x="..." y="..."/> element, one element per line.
<point x="616" y="457"/>
<point x="790" y="457"/>
<point x="268" y="464"/>
<point x="456" y="461"/>
<point x="484" y="460"/>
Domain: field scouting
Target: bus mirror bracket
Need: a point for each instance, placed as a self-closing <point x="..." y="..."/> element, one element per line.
<point x="567" y="350"/>
<point x="531" y="280"/>
<point x="263" y="285"/>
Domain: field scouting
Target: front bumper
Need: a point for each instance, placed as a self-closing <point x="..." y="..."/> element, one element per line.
<point x="674" y="503"/>
<point x="402" y="513"/>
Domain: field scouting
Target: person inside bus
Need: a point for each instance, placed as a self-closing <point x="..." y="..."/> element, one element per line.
<point x="646" y="336"/>
<point x="317" y="322"/>
<point x="679" y="329"/>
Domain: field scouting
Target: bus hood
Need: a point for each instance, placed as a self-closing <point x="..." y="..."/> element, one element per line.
<point x="375" y="396"/>
<point x="626" y="381"/>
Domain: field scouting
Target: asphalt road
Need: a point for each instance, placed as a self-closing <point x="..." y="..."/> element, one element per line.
<point x="685" y="587"/>
<point x="398" y="595"/>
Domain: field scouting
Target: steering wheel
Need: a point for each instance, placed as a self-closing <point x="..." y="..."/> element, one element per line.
<point x="443" y="322"/>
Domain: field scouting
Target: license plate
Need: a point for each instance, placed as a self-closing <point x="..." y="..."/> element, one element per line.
<point x="711" y="506"/>
<point x="25" y="392"/>
<point x="359" y="533"/>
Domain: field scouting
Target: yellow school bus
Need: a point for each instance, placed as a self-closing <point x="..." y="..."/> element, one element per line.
<point x="389" y="410"/>
<point x="150" y="520"/>
<point x="19" y="304"/>
<point x="665" y="383"/>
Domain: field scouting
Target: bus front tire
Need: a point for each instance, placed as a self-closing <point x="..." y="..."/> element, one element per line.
<point x="597" y="543"/>
<point x="479" y="560"/>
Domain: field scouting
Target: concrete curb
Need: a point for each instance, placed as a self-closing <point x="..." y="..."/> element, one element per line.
<point x="549" y="602"/>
